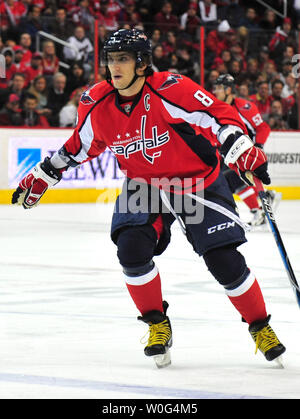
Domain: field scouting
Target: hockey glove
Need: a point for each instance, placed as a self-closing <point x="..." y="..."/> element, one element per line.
<point x="242" y="156"/>
<point x="33" y="186"/>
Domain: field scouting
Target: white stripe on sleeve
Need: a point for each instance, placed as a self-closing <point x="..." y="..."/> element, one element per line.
<point x="201" y="119"/>
<point x="86" y="135"/>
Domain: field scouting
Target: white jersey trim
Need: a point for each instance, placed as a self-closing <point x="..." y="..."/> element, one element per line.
<point x="201" y="119"/>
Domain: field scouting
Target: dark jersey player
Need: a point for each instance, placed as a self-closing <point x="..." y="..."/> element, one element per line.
<point x="258" y="130"/>
<point x="165" y="132"/>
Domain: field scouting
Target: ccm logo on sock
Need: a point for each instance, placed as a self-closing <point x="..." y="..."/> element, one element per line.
<point x="219" y="227"/>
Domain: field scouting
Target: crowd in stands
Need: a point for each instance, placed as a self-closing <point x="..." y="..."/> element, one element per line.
<point x="45" y="79"/>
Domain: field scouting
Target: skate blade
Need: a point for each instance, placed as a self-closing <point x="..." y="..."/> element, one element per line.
<point x="279" y="362"/>
<point x="162" y="361"/>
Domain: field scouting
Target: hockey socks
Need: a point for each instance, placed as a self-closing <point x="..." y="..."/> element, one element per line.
<point x="249" y="196"/>
<point x="145" y="290"/>
<point x="248" y="300"/>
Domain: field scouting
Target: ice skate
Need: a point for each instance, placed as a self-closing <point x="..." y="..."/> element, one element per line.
<point x="258" y="218"/>
<point x="160" y="336"/>
<point x="266" y="340"/>
<point x="274" y="198"/>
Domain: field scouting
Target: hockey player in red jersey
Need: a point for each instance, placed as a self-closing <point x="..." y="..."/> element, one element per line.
<point x="258" y="130"/>
<point x="165" y="132"/>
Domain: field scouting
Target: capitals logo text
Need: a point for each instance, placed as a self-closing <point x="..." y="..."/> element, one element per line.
<point x="143" y="144"/>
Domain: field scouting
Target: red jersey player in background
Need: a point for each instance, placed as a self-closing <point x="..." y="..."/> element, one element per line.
<point x="165" y="132"/>
<point x="258" y="130"/>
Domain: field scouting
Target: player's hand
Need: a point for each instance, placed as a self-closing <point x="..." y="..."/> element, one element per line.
<point x="252" y="160"/>
<point x="33" y="186"/>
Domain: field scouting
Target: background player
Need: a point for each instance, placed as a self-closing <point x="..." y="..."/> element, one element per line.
<point x="164" y="131"/>
<point x="258" y="130"/>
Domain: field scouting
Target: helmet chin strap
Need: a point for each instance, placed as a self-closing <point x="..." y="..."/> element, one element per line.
<point x="134" y="79"/>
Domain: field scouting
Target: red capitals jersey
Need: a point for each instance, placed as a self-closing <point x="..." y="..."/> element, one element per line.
<point x="258" y="130"/>
<point x="170" y="131"/>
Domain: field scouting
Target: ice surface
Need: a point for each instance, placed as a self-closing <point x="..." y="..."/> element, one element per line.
<point x="68" y="328"/>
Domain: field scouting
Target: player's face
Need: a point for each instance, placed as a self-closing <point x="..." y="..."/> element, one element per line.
<point x="122" y="68"/>
<point x="219" y="92"/>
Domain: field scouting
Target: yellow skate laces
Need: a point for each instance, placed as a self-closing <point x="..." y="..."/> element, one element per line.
<point x="265" y="339"/>
<point x="159" y="334"/>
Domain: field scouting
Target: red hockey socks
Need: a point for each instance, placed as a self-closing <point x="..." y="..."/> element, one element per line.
<point x="249" y="196"/>
<point x="145" y="290"/>
<point x="248" y="300"/>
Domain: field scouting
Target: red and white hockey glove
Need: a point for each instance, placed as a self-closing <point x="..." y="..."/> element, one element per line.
<point x="242" y="157"/>
<point x="33" y="186"/>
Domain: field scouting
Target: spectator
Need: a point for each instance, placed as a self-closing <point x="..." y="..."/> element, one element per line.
<point x="32" y="22"/>
<point x="170" y="44"/>
<point x="235" y="69"/>
<point x="186" y="63"/>
<point x="16" y="86"/>
<point x="128" y="14"/>
<point x="217" y="40"/>
<point x="226" y="56"/>
<point x="250" y="19"/>
<point x="276" y="94"/>
<point x="160" y="62"/>
<point x="290" y="86"/>
<point x="288" y="53"/>
<point x="61" y="27"/>
<point x="252" y="71"/>
<point x="276" y="118"/>
<point x="10" y="67"/>
<point x="68" y="113"/>
<point x="173" y="63"/>
<point x="10" y="115"/>
<point x="243" y="91"/>
<point x="262" y="99"/>
<point x="233" y="13"/>
<point x="50" y="60"/>
<point x="190" y="22"/>
<point x="18" y="60"/>
<point x="156" y="37"/>
<point x="269" y="21"/>
<point x="57" y="98"/>
<point x="105" y="17"/>
<point x="29" y="114"/>
<point x="82" y="48"/>
<point x="25" y="44"/>
<point x="39" y="89"/>
<point x="102" y="35"/>
<point x="237" y="53"/>
<point x="11" y="12"/>
<point x="76" y="78"/>
<point x="210" y="80"/>
<point x="208" y="12"/>
<point x="82" y="14"/>
<point x="264" y="58"/>
<point x="287" y="67"/>
<point x="270" y="73"/>
<point x="35" y="69"/>
<point x="165" y="20"/>
<point x="280" y="40"/>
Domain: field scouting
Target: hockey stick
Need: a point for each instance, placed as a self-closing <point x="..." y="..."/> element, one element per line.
<point x="271" y="219"/>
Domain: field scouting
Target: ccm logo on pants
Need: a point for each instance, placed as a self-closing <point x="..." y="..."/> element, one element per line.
<point x="219" y="227"/>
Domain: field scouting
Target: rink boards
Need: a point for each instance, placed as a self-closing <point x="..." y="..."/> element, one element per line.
<point x="100" y="180"/>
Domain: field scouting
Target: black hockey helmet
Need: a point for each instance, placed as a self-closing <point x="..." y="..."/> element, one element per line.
<point x="226" y="80"/>
<point x="132" y="40"/>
